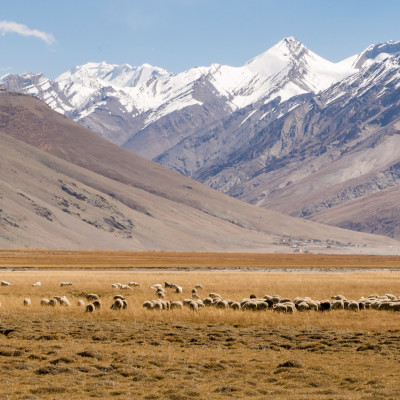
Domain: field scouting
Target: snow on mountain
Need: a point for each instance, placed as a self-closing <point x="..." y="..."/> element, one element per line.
<point x="122" y="102"/>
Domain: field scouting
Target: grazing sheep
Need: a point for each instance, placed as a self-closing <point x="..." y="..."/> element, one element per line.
<point x="89" y="307"/>
<point x="253" y="296"/>
<point x="80" y="303"/>
<point x="124" y="304"/>
<point x="149" y="305"/>
<point x="261" y="305"/>
<point x="337" y="305"/>
<point x="178" y="289"/>
<point x="194" y="306"/>
<point x="125" y="287"/>
<point x="194" y="290"/>
<point x="338" y="297"/>
<point x="325" y="305"/>
<point x="169" y="285"/>
<point x="64" y="301"/>
<point x="280" y="308"/>
<point x="195" y="296"/>
<point x="115" y="285"/>
<point x="303" y="306"/>
<point x="92" y="296"/>
<point x="235" y="305"/>
<point x="53" y="302"/>
<point x="198" y="286"/>
<point x="97" y="304"/>
<point x="285" y="300"/>
<point x="290" y="307"/>
<point x="44" y="302"/>
<point x="160" y="294"/>
<point x="36" y="284"/>
<point x="135" y="284"/>
<point x="117" y="305"/>
<point x="176" y="305"/>
<point x="27" y="302"/>
<point x="156" y="286"/>
<point x="119" y="296"/>
<point x="275" y="299"/>
<point x="208" y="301"/>
<point x="65" y="284"/>
<point x="5" y="283"/>
<point x="222" y="304"/>
<point x="353" y="306"/>
<point x="249" y="306"/>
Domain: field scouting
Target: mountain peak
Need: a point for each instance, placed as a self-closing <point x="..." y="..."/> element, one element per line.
<point x="377" y="52"/>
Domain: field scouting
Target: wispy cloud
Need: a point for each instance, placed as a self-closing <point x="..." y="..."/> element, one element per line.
<point x="20" y="29"/>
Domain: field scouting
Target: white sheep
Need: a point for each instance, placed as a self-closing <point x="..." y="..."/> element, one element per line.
<point x="27" y="302"/>
<point x="5" y="283"/>
<point x="44" y="302"/>
<point x="176" y="305"/>
<point x="80" y="303"/>
<point x="64" y="301"/>
<point x="133" y="284"/>
<point x="36" y="284"/>
<point x="65" y="284"/>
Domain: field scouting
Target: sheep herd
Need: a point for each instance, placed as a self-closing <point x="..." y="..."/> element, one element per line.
<point x="275" y="303"/>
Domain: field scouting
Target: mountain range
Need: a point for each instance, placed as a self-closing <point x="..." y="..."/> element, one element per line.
<point x="287" y="131"/>
<point x="62" y="186"/>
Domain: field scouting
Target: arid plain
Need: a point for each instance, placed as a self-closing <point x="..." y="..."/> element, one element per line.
<point x="63" y="352"/>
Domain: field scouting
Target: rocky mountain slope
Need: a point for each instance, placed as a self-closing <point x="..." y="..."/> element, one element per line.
<point x="62" y="186"/>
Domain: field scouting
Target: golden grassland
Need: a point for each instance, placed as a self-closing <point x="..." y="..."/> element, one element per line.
<point x="61" y="259"/>
<point x="65" y="353"/>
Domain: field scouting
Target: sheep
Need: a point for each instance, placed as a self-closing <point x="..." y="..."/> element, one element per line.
<point x="325" y="305"/>
<point x="134" y="284"/>
<point x="290" y="307"/>
<point x="222" y="304"/>
<point x="119" y="296"/>
<point x="44" y="302"/>
<point x="178" y="289"/>
<point x="279" y="308"/>
<point x="36" y="284"/>
<point x="215" y="296"/>
<point x="5" y="283"/>
<point x="176" y="305"/>
<point x="235" y="305"/>
<point x="156" y="286"/>
<point x="27" y="302"/>
<point x="117" y="305"/>
<point x="261" y="305"/>
<point x="195" y="296"/>
<point x="353" y="306"/>
<point x="208" y="301"/>
<point x="115" y="285"/>
<point x="198" y="286"/>
<point x="194" y="290"/>
<point x="194" y="306"/>
<point x="249" y="305"/>
<point x="253" y="296"/>
<point x="89" y="307"/>
<point x="97" y="304"/>
<point x="80" y="303"/>
<point x="337" y="305"/>
<point x="169" y="285"/>
<point x="125" y="287"/>
<point x="303" y="306"/>
<point x="53" y="302"/>
<point x="64" y="301"/>
<point x="149" y="305"/>
<point x="65" y="284"/>
<point x="92" y="296"/>
<point x="160" y="294"/>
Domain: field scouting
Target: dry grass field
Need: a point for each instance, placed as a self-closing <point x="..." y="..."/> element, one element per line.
<point x="106" y="260"/>
<point x="65" y="353"/>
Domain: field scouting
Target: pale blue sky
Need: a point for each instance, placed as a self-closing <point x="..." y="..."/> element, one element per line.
<point x="180" y="34"/>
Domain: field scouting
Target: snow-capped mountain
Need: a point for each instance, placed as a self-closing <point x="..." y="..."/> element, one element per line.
<point x="288" y="130"/>
<point x="148" y="110"/>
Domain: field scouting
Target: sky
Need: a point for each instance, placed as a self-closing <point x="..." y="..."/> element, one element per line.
<point x="52" y="36"/>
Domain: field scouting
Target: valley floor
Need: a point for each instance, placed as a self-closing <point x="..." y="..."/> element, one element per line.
<point x="65" y="353"/>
